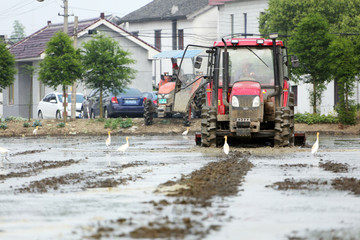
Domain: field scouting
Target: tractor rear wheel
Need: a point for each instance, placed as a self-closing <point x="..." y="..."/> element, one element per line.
<point x="282" y="127"/>
<point x="208" y="126"/>
<point x="148" y="112"/>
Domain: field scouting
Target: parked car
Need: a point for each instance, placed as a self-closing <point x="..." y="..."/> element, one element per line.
<point x="152" y="96"/>
<point x="126" y="104"/>
<point x="51" y="106"/>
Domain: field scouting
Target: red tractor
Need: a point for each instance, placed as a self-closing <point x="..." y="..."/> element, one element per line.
<point x="246" y="91"/>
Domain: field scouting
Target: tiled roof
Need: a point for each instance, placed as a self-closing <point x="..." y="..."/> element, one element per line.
<point x="165" y="10"/>
<point x="34" y="45"/>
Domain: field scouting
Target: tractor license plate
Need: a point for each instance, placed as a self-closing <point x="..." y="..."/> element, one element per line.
<point x="162" y="101"/>
<point x="243" y="120"/>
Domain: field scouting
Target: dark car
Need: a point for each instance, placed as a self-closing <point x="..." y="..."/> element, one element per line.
<point x="125" y="104"/>
<point x="152" y="96"/>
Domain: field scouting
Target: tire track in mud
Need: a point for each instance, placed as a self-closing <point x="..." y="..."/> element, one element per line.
<point x="198" y="189"/>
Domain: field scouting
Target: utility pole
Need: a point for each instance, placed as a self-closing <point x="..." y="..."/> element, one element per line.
<point x="73" y="89"/>
<point x="66" y="21"/>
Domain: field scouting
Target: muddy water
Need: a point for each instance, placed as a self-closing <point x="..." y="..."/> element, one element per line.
<point x="77" y="188"/>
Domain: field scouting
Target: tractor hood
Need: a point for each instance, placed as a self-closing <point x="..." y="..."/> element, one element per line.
<point x="247" y="88"/>
<point x="166" y="88"/>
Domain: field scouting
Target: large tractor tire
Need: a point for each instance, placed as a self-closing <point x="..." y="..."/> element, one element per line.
<point x="285" y="133"/>
<point x="292" y="118"/>
<point x="186" y="119"/>
<point x="148" y="112"/>
<point x="208" y="126"/>
<point x="282" y="127"/>
<point x="278" y="122"/>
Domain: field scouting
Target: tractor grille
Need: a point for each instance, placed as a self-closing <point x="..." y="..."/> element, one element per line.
<point x="245" y="101"/>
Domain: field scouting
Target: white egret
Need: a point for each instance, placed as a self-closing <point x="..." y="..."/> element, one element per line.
<point x="35" y="130"/>
<point x="108" y="140"/>
<point x="315" y="147"/>
<point x="226" y="146"/>
<point x="186" y="131"/>
<point x="123" y="148"/>
<point x="4" y="152"/>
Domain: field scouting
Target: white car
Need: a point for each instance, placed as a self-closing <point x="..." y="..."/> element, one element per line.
<point x="51" y="106"/>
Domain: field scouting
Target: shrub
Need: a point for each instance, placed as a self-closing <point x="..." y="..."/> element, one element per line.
<point x="347" y="117"/>
<point x="26" y="124"/>
<point x="3" y="126"/>
<point x="60" y="125"/>
<point x="309" y="118"/>
<point x="37" y="123"/>
<point x="11" y="118"/>
<point x="108" y="123"/>
<point x="100" y="119"/>
<point x="126" y="123"/>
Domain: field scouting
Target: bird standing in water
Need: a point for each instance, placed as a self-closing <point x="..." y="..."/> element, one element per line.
<point x="315" y="147"/>
<point x="35" y="130"/>
<point x="4" y="152"/>
<point x="226" y="146"/>
<point x="108" y="140"/>
<point x="123" y="148"/>
<point x="186" y="131"/>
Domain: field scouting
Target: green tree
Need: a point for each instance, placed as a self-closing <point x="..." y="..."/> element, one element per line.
<point x="61" y="65"/>
<point x="310" y="42"/>
<point x="345" y="65"/>
<point x="106" y="66"/>
<point x="19" y="32"/>
<point x="7" y="67"/>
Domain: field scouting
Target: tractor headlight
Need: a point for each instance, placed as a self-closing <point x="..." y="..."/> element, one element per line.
<point x="256" y="101"/>
<point x="235" y="101"/>
<point x="167" y="96"/>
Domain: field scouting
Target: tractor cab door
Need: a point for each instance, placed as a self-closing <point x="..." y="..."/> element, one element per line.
<point x="194" y="73"/>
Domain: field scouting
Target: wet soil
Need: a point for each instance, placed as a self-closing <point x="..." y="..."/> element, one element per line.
<point x="35" y="168"/>
<point x="347" y="184"/>
<point x="334" y="167"/>
<point x="221" y="178"/>
<point x="344" y="184"/>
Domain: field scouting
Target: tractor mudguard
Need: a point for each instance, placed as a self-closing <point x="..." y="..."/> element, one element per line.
<point x="186" y="94"/>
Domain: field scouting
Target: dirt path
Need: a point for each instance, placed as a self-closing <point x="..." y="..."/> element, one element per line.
<point x="160" y="126"/>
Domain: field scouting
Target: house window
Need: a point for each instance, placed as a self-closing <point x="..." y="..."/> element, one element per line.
<point x="294" y="89"/>
<point x="158" y="39"/>
<point x="11" y="94"/>
<point x="181" y="39"/>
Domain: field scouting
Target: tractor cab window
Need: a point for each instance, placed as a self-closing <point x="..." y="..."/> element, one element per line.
<point x="193" y="65"/>
<point x="251" y="63"/>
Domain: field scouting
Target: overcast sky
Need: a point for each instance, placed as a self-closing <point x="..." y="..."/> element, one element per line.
<point x="34" y="15"/>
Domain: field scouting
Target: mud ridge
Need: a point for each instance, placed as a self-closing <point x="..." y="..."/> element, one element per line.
<point x="334" y="167"/>
<point x="35" y="168"/>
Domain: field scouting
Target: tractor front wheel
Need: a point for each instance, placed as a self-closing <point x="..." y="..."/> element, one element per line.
<point x="148" y="112"/>
<point x="208" y="126"/>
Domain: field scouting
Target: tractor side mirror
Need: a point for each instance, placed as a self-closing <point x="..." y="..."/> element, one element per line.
<point x="294" y="61"/>
<point x="198" y="62"/>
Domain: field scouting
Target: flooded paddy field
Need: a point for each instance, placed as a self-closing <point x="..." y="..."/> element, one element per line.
<point x="166" y="187"/>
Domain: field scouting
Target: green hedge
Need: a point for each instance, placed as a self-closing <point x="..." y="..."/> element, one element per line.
<point x="309" y="118"/>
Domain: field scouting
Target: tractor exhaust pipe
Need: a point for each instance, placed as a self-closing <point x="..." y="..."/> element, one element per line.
<point x="278" y="89"/>
<point x="225" y="75"/>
